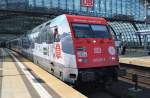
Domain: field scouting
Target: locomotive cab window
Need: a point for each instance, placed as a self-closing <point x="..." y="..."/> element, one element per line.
<point x="56" y="35"/>
<point x="90" y="31"/>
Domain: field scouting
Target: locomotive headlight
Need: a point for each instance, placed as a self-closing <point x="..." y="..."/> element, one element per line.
<point x="82" y="54"/>
<point x="112" y="58"/>
<point x="111" y="50"/>
<point x="82" y="60"/>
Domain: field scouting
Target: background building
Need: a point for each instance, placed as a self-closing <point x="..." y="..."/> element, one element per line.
<point x="124" y="16"/>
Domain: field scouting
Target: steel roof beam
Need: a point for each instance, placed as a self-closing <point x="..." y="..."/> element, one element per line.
<point x="8" y="16"/>
<point x="48" y="13"/>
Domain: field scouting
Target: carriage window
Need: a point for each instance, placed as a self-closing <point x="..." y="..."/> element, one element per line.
<point x="91" y="31"/>
<point x="45" y="51"/>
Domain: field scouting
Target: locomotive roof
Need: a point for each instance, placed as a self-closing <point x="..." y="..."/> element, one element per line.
<point x="85" y="19"/>
<point x="76" y="18"/>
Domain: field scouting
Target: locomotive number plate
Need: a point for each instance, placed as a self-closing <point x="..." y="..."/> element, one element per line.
<point x="82" y="54"/>
<point x="97" y="50"/>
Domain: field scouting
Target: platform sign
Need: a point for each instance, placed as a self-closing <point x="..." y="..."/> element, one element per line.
<point x="87" y="3"/>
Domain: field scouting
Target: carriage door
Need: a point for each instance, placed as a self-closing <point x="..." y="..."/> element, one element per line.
<point x="54" y="43"/>
<point x="50" y="42"/>
<point x="57" y="46"/>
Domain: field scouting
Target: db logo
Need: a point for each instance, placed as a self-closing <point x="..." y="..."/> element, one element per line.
<point x="87" y="3"/>
<point x="57" y="51"/>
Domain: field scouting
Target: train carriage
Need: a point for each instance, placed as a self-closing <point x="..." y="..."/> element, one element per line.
<point x="73" y="48"/>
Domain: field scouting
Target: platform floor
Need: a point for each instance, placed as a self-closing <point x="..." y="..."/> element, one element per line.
<point x="17" y="81"/>
<point x="135" y="57"/>
<point x="12" y="82"/>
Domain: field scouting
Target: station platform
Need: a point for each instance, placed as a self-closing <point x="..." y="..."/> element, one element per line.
<point x="20" y="78"/>
<point x="135" y="57"/>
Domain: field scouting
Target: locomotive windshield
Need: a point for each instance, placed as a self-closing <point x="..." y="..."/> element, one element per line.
<point x="90" y="31"/>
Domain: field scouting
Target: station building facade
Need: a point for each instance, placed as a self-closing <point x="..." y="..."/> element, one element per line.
<point x="124" y="16"/>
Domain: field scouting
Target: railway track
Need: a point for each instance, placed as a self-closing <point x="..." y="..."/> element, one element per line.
<point x="97" y="91"/>
<point x="142" y="73"/>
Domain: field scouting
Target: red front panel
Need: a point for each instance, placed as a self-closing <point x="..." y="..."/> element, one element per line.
<point x="97" y="51"/>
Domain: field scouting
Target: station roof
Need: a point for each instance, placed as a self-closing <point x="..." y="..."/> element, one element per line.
<point x="17" y="17"/>
<point x="14" y="23"/>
